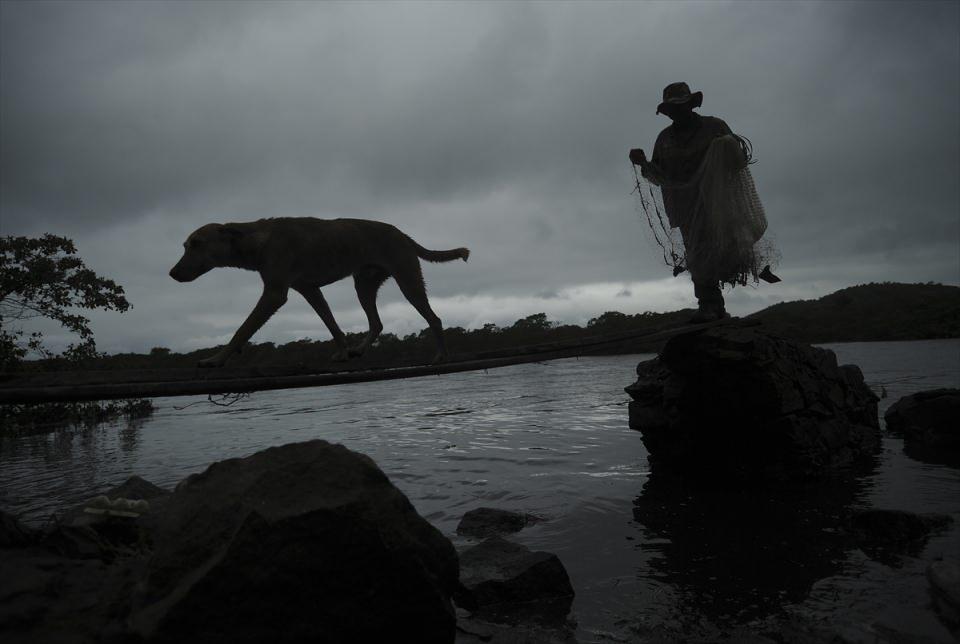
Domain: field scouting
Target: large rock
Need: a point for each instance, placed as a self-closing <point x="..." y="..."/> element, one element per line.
<point x="736" y="401"/>
<point x="927" y="418"/>
<point x="304" y="542"/>
<point x="507" y="582"/>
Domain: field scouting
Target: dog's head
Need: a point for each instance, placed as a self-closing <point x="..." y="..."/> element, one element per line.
<point x="207" y="247"/>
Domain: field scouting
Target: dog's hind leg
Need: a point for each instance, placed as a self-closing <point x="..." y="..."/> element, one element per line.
<point x="315" y="298"/>
<point x="367" y="282"/>
<point x="410" y="281"/>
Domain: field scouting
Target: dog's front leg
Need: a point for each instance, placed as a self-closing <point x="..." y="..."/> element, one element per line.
<point x="272" y="299"/>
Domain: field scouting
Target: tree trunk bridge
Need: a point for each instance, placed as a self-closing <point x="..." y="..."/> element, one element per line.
<point x="73" y="386"/>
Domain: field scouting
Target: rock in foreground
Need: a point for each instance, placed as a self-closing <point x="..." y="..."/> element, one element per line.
<point x="738" y="402"/>
<point x="507" y="582"/>
<point x="304" y="542"/>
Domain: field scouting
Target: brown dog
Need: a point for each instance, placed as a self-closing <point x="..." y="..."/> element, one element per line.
<point x="305" y="254"/>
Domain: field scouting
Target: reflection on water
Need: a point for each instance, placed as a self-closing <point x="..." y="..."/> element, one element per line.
<point x="552" y="439"/>
<point x="737" y="555"/>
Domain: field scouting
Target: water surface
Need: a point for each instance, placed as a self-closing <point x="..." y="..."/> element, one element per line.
<point x="552" y="439"/>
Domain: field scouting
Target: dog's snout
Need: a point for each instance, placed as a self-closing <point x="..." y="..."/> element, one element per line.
<point x="177" y="273"/>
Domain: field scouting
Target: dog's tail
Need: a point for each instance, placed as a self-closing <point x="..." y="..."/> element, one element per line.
<point x="442" y="255"/>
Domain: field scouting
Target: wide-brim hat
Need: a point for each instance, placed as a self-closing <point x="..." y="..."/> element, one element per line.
<point x="679" y="94"/>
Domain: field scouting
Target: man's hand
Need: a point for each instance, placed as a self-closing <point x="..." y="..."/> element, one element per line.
<point x="649" y="171"/>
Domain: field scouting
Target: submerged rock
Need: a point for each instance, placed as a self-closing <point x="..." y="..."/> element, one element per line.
<point x="737" y="402"/>
<point x="138" y="489"/>
<point x="14" y="534"/>
<point x="944" y="578"/>
<point x="927" y="419"/>
<point x="296" y="543"/>
<point x="473" y="630"/>
<point x="506" y="582"/>
<point x="485" y="522"/>
<point x="884" y="535"/>
<point x="896" y="526"/>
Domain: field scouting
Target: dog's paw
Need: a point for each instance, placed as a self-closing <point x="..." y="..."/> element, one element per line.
<point x="343" y="355"/>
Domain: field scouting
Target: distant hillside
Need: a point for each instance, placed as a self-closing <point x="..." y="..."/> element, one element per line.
<point x="869" y="312"/>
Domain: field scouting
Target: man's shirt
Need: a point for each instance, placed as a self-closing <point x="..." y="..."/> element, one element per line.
<point x="678" y="153"/>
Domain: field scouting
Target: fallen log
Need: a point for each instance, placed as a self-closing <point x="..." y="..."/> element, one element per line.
<point x="104" y="385"/>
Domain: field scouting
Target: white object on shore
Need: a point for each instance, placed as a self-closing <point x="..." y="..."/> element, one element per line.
<point x="119" y="507"/>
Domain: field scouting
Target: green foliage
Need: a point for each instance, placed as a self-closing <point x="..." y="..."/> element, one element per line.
<point x="42" y="417"/>
<point x="535" y="322"/>
<point x="43" y="278"/>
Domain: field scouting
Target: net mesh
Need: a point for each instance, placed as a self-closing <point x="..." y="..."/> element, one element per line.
<point x="713" y="225"/>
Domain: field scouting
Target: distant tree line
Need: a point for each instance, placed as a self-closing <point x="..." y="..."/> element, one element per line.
<point x="869" y="312"/>
<point x="415" y="348"/>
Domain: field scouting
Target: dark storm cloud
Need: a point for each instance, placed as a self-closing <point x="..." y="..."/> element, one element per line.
<point x="499" y="126"/>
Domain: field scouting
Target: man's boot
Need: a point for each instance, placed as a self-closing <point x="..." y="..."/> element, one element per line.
<point x="710" y="301"/>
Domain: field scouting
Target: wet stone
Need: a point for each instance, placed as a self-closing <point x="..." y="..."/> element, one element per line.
<point x="507" y="582"/>
<point x="944" y="578"/>
<point x="486" y="522"/>
<point x="472" y="630"/>
<point x="14" y="534"/>
<point x="896" y="526"/>
<point x="928" y="419"/>
<point x="884" y="535"/>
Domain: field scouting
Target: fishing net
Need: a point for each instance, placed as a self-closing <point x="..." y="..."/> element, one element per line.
<point x="712" y="225"/>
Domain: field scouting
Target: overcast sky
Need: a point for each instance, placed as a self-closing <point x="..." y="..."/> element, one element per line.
<point x="503" y="127"/>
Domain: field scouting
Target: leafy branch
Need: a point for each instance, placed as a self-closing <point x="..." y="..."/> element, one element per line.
<point x="43" y="278"/>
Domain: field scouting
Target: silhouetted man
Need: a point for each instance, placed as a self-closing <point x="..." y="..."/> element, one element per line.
<point x="693" y="160"/>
